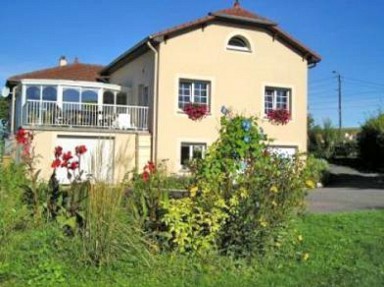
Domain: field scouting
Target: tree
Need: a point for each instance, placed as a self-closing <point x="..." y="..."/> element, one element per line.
<point x="4" y="108"/>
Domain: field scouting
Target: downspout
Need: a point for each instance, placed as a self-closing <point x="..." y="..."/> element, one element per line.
<point x="13" y="100"/>
<point x="155" y="103"/>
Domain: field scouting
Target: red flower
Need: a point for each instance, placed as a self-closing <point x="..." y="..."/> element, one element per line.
<point x="81" y="149"/>
<point x="21" y="136"/>
<point x="56" y="163"/>
<point x="145" y="175"/>
<point x="58" y="151"/>
<point x="74" y="165"/>
<point x="196" y="111"/>
<point x="151" y="167"/>
<point x="67" y="156"/>
<point x="279" y="116"/>
<point x="64" y="164"/>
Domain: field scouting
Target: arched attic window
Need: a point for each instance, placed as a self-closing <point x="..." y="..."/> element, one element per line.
<point x="239" y="43"/>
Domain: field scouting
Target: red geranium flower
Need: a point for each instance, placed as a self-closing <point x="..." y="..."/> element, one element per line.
<point x="74" y="165"/>
<point x="21" y="136"/>
<point x="56" y="163"/>
<point x="58" y="151"/>
<point x="196" y="111"/>
<point x="67" y="156"/>
<point x="151" y="167"/>
<point x="81" y="149"/>
<point x="279" y="116"/>
<point x="145" y="175"/>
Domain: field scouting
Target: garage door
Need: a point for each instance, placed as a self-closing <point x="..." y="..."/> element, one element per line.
<point x="97" y="161"/>
<point x="286" y="151"/>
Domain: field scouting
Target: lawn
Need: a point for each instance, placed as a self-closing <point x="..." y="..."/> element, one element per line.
<point x="344" y="250"/>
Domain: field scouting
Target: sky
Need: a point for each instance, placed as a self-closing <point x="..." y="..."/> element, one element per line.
<point x="348" y="34"/>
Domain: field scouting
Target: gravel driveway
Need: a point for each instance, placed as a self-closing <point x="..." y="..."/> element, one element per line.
<point x="348" y="190"/>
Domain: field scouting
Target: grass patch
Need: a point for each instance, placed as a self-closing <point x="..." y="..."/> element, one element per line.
<point x="344" y="250"/>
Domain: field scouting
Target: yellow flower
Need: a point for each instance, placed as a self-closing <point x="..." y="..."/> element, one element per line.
<point x="310" y="184"/>
<point x="305" y="256"/>
<point x="273" y="189"/>
<point x="193" y="191"/>
<point x="278" y="244"/>
<point x="300" y="237"/>
<point x="263" y="223"/>
<point x="274" y="204"/>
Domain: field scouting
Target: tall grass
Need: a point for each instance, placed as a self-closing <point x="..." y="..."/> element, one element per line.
<point x="109" y="233"/>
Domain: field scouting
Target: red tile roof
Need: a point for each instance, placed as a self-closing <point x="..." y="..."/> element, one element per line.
<point x="74" y="72"/>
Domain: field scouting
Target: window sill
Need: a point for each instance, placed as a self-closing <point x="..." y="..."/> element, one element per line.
<point x="234" y="49"/>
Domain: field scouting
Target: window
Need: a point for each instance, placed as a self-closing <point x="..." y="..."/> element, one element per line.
<point x="239" y="43"/>
<point x="49" y="93"/>
<point x="108" y="98"/>
<point x="191" y="151"/>
<point x="277" y="98"/>
<point x="33" y="93"/>
<point x="89" y="97"/>
<point x="193" y="92"/>
<point x="143" y="96"/>
<point x="71" y="95"/>
<point x="121" y="99"/>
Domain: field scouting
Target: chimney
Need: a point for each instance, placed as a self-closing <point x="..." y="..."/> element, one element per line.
<point x="63" y="61"/>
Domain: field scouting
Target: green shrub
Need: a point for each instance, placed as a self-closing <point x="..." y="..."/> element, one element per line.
<point x="13" y="212"/>
<point x="316" y="169"/>
<point x="243" y="198"/>
<point x="322" y="141"/>
<point x="371" y="142"/>
<point x="145" y="193"/>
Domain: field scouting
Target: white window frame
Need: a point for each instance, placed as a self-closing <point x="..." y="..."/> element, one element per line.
<point x="191" y="146"/>
<point x="275" y="96"/>
<point x="192" y="92"/>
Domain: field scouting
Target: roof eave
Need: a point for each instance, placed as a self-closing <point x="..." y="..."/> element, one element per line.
<point x="125" y="57"/>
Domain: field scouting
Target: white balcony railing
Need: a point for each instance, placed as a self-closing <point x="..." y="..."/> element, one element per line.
<point x="50" y="114"/>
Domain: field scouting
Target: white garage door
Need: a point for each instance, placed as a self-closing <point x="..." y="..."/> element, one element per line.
<point x="97" y="161"/>
<point x="286" y="151"/>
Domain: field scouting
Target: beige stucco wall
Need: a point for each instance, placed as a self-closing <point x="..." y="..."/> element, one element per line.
<point x="125" y="151"/>
<point x="138" y="72"/>
<point x="238" y="80"/>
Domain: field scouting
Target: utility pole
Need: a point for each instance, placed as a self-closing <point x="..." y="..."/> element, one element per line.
<point x="339" y="93"/>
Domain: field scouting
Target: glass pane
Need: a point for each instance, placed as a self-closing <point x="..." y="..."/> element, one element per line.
<point x="185" y="89"/>
<point x="33" y="93"/>
<point x="89" y="97"/>
<point x="184" y="154"/>
<point x="237" y="42"/>
<point x="121" y="99"/>
<point x="71" y="95"/>
<point x="108" y="98"/>
<point x="198" y="151"/>
<point x="50" y="93"/>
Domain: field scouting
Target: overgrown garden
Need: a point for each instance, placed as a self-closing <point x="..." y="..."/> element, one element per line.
<point x="238" y="223"/>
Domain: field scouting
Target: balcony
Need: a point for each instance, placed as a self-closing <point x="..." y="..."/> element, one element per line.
<point x="38" y="113"/>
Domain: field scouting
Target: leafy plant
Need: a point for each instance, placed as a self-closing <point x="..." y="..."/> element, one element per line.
<point x="323" y="140"/>
<point x="371" y="141"/>
<point x="146" y="192"/>
<point x="244" y="197"/>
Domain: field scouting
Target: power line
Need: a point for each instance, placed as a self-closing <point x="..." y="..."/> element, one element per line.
<point x="364" y="82"/>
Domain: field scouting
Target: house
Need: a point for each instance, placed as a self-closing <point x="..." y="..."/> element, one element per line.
<point x="232" y="57"/>
<point x="68" y="105"/>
